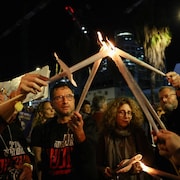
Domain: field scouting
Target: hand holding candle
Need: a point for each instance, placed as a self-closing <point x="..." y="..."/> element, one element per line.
<point x="125" y="167"/>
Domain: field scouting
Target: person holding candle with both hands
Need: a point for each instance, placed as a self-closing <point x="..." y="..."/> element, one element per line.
<point x="120" y="139"/>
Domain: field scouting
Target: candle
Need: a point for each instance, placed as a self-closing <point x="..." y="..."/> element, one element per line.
<point x="134" y="88"/>
<point x="88" y="83"/>
<point x="137" y="61"/>
<point x="104" y="52"/>
<point x="131" y="161"/>
<point x="151" y="109"/>
<point x="157" y="172"/>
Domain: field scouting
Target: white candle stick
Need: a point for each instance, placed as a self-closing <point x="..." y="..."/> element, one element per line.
<point x="135" y="89"/>
<point x="137" y="61"/>
<point x="104" y="52"/>
<point x="88" y="83"/>
<point x="157" y="172"/>
<point x="131" y="161"/>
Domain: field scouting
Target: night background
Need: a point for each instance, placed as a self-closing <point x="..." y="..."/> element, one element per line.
<point x="32" y="30"/>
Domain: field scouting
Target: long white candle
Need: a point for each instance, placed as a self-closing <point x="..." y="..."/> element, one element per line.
<point x="131" y="161"/>
<point x="147" y="103"/>
<point x="88" y="83"/>
<point x="134" y="88"/>
<point x="104" y="52"/>
<point x="137" y="61"/>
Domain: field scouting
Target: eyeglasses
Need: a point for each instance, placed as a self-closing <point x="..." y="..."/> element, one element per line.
<point x="69" y="97"/>
<point x="123" y="113"/>
<point x="167" y="96"/>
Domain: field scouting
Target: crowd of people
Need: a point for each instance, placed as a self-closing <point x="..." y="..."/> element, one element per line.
<point x="97" y="143"/>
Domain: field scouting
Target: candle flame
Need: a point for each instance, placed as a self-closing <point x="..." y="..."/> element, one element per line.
<point x="100" y="38"/>
<point x="156" y="172"/>
<point x="106" y="44"/>
<point x="145" y="168"/>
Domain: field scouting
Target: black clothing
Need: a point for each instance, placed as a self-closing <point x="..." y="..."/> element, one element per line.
<point x="13" y="151"/>
<point x="172" y="120"/>
<point x="64" y="158"/>
<point x="124" y="144"/>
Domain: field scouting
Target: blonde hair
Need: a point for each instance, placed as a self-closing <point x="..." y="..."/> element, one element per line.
<point x="38" y="114"/>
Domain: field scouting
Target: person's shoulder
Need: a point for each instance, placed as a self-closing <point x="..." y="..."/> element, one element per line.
<point x="50" y="122"/>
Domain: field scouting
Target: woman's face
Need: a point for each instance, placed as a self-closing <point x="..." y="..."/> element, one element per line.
<point x="48" y="111"/>
<point x="124" y="115"/>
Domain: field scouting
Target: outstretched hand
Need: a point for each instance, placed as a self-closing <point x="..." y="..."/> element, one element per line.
<point x="31" y="83"/>
<point x="174" y="79"/>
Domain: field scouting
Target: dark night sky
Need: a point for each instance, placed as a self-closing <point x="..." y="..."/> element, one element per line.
<point x="32" y="30"/>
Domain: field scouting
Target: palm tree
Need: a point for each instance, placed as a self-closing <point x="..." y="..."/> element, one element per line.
<point x="155" y="42"/>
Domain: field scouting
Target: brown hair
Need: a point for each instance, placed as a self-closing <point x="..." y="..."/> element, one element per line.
<point x="109" y="119"/>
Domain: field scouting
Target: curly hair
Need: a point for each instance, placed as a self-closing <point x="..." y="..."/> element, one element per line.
<point x="109" y="118"/>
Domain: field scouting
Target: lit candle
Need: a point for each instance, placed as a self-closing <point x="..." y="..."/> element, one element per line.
<point x="157" y="172"/>
<point x="104" y="52"/>
<point x="151" y="109"/>
<point x="137" y="61"/>
<point x="131" y="161"/>
<point x="88" y="83"/>
<point x="135" y="89"/>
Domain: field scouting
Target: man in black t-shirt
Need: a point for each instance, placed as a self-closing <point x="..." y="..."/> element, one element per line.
<point x="67" y="143"/>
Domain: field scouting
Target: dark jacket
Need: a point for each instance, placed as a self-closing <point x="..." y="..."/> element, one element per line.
<point x="142" y="146"/>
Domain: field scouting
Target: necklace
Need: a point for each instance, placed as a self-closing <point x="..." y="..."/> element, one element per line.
<point x="6" y="150"/>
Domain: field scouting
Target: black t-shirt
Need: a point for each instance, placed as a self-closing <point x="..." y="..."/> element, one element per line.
<point x="13" y="149"/>
<point x="172" y="120"/>
<point x="62" y="156"/>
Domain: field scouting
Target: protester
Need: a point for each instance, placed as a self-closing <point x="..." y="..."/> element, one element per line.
<point x="85" y="109"/>
<point x="68" y="143"/>
<point x="43" y="113"/>
<point x="121" y="138"/>
<point x="99" y="105"/>
<point x="169" y="101"/>
<point x="170" y="104"/>
<point x="28" y="83"/>
<point x="15" y="157"/>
